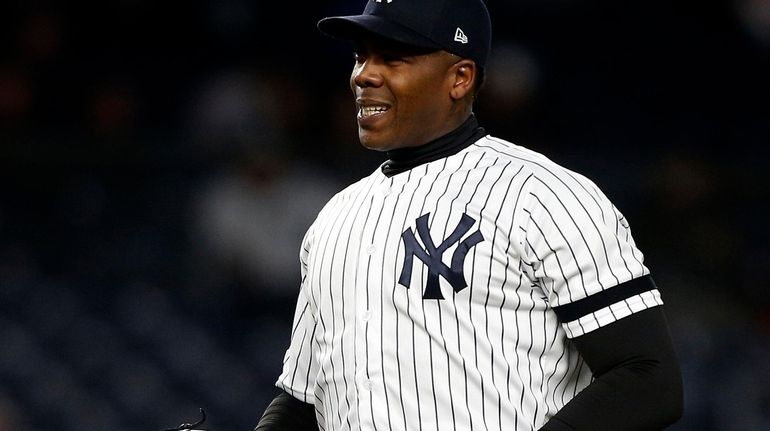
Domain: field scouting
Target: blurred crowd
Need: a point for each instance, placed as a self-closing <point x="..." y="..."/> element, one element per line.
<point x="160" y="162"/>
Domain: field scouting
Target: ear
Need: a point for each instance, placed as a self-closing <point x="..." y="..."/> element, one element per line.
<point x="463" y="76"/>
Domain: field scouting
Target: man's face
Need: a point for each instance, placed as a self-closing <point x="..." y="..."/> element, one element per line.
<point x="402" y="94"/>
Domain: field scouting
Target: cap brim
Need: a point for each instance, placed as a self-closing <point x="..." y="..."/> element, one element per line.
<point x="355" y="27"/>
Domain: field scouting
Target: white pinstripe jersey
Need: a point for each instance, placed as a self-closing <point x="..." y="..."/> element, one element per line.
<point x="373" y="354"/>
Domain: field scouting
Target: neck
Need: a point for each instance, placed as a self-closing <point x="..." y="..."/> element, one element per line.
<point x="404" y="159"/>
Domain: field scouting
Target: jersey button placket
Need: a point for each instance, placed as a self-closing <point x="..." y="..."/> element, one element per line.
<point x="362" y="318"/>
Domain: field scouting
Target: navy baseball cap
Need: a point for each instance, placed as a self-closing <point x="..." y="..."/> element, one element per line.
<point x="462" y="27"/>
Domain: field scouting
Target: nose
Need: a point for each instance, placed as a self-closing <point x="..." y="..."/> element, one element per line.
<point x="366" y="74"/>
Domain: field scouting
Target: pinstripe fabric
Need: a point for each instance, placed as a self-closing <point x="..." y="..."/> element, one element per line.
<point x="373" y="354"/>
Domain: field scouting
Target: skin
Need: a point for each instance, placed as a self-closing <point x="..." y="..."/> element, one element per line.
<point x="422" y="95"/>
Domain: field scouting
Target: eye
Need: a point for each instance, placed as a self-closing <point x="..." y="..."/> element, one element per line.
<point x="393" y="59"/>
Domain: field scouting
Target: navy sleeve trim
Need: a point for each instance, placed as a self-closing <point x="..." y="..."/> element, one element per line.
<point x="576" y="310"/>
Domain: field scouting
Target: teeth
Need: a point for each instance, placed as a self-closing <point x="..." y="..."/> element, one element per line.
<point x="371" y="110"/>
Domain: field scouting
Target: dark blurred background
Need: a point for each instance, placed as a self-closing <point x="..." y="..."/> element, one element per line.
<point x="159" y="163"/>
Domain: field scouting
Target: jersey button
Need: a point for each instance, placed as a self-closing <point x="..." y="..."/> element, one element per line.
<point x="366" y="316"/>
<point x="367" y="384"/>
<point x="385" y="191"/>
<point x="371" y="249"/>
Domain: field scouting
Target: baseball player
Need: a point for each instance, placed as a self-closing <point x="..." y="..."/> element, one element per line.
<point x="468" y="283"/>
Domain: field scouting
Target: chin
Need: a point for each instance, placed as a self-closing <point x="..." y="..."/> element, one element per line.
<point x="370" y="143"/>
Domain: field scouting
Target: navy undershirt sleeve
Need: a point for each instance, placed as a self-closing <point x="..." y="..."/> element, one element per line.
<point x="637" y="381"/>
<point x="286" y="413"/>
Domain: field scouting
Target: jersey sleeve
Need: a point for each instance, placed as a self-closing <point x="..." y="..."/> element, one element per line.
<point x="580" y="251"/>
<point x="299" y="365"/>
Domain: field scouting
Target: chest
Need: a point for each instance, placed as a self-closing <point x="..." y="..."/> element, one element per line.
<point x="427" y="236"/>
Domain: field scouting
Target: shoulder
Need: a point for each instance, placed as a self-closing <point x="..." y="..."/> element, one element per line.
<point x="331" y="208"/>
<point x="541" y="171"/>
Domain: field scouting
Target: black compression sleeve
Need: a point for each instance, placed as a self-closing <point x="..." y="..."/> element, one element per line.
<point x="637" y="386"/>
<point x="286" y="413"/>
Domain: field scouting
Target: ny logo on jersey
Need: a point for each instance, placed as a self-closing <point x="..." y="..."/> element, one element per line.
<point x="431" y="255"/>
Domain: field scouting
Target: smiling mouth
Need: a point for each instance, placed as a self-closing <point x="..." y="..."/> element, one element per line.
<point x="369" y="111"/>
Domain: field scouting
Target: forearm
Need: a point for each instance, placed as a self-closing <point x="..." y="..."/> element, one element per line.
<point x="621" y="400"/>
<point x="637" y="384"/>
<point x="286" y="413"/>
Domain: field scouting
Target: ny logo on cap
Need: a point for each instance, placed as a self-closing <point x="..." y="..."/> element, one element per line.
<point x="380" y="1"/>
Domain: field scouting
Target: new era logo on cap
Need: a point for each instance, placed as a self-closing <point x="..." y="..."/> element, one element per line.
<point x="460" y="36"/>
